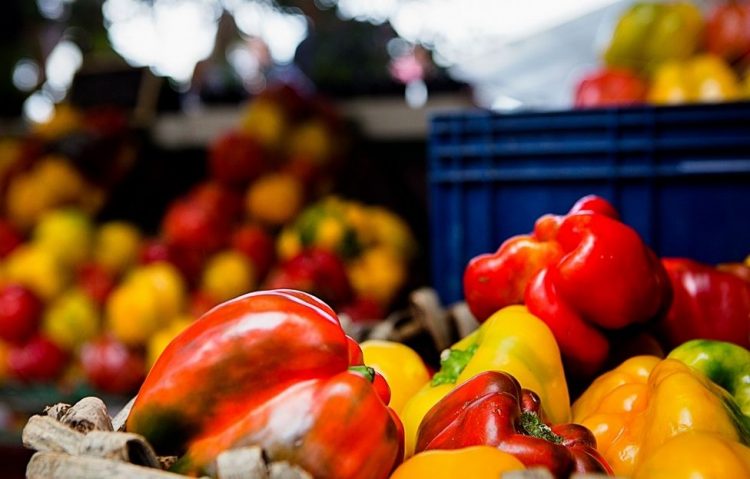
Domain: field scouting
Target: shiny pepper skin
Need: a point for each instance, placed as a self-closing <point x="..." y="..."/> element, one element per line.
<point x="491" y="409"/>
<point x="585" y="274"/>
<point x="274" y="369"/>
<point x="642" y="406"/>
<point x="513" y="341"/>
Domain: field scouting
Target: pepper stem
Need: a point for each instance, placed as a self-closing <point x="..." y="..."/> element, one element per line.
<point x="452" y="365"/>
<point x="365" y="371"/>
<point x="533" y="426"/>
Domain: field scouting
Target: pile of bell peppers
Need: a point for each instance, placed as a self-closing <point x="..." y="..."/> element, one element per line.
<point x="668" y="53"/>
<point x="275" y="369"/>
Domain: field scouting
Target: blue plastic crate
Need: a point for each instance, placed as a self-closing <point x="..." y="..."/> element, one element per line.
<point x="679" y="175"/>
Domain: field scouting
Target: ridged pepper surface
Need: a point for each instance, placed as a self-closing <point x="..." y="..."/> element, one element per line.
<point x="640" y="411"/>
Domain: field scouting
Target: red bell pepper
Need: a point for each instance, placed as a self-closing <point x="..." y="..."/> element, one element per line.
<point x="316" y="271"/>
<point x="728" y="30"/>
<point x="708" y="304"/>
<point x="274" y="369"/>
<point x="491" y="409"/>
<point x="610" y="87"/>
<point x="584" y="274"/>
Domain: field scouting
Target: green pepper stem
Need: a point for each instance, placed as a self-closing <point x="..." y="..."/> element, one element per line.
<point x="533" y="426"/>
<point x="452" y="365"/>
<point x="365" y="371"/>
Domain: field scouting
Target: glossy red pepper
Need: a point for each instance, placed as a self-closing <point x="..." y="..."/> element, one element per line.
<point x="272" y="368"/>
<point x="708" y="304"/>
<point x="584" y="274"/>
<point x="491" y="409"/>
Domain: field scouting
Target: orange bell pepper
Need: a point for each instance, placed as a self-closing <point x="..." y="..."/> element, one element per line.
<point x="639" y="411"/>
<point x="477" y="462"/>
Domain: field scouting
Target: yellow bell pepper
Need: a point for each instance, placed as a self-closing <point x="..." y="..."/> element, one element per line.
<point x="705" y="78"/>
<point x="636" y="409"/>
<point x="695" y="455"/>
<point x="401" y="366"/>
<point x="650" y="33"/>
<point x="478" y="462"/>
<point x="511" y="340"/>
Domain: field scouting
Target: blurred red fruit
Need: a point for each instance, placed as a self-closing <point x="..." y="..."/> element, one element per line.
<point x="258" y="245"/>
<point x="153" y="251"/>
<point x="20" y="313"/>
<point x="191" y="225"/>
<point x="236" y="159"/>
<point x="38" y="360"/>
<point x="610" y="87"/>
<point x="363" y="309"/>
<point x="728" y="30"/>
<point x="96" y="281"/>
<point x="316" y="271"/>
<point x="200" y="303"/>
<point x="111" y="367"/>
<point x="226" y="202"/>
<point x="202" y="220"/>
<point x="9" y="238"/>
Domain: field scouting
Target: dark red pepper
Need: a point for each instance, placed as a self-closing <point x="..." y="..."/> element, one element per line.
<point x="708" y="304"/>
<point x="491" y="409"/>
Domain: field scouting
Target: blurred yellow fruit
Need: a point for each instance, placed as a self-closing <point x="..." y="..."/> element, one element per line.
<point x="132" y="313"/>
<point x="71" y="320"/>
<point x="117" y="245"/>
<point x="288" y="244"/>
<point x="401" y="366"/>
<point x="330" y="233"/>
<point x="265" y="121"/>
<point x="3" y="361"/>
<point x="228" y="274"/>
<point x="311" y="140"/>
<point x="378" y="273"/>
<point x="53" y="182"/>
<point x="391" y="232"/>
<point x="166" y="282"/>
<point x="67" y="234"/>
<point x="25" y="202"/>
<point x="56" y="174"/>
<point x="161" y="339"/>
<point x="704" y="78"/>
<point x="275" y="199"/>
<point x="356" y="214"/>
<point x="64" y="120"/>
<point x="38" y="269"/>
<point x="10" y="152"/>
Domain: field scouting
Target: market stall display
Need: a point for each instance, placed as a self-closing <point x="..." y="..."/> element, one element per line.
<point x="195" y="287"/>
<point x="92" y="304"/>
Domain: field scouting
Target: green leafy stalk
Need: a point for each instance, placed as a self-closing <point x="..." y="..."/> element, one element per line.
<point x="533" y="426"/>
<point x="452" y="365"/>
